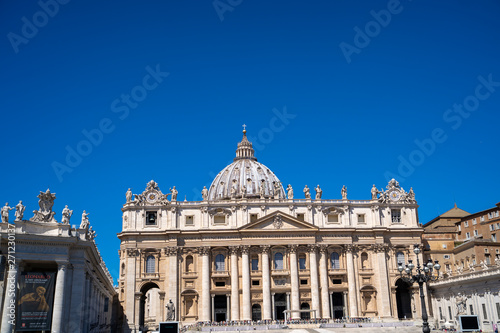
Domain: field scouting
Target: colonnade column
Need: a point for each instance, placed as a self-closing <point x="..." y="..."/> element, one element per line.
<point x="245" y="272"/>
<point x="344" y="294"/>
<point x="313" y="268"/>
<point x="10" y="296"/>
<point x="78" y="285"/>
<point x="162" y="306"/>
<point x="272" y="306"/>
<point x="294" y="281"/>
<point x="205" y="283"/>
<point x="383" y="292"/>
<point x="213" y="306"/>
<point x="235" y="292"/>
<point x="228" y="307"/>
<point x="266" y="284"/>
<point x="351" y="281"/>
<point x="59" y="306"/>
<point x="323" y="271"/>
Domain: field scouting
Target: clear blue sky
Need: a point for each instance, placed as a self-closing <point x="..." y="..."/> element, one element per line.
<point x="363" y="80"/>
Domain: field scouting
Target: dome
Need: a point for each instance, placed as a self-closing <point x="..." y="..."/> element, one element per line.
<point x="245" y="177"/>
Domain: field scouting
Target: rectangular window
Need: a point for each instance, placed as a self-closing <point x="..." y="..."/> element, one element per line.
<point x="303" y="282"/>
<point x="476" y="233"/>
<point x="396" y="215"/>
<point x="253" y="217"/>
<point x="333" y="218"/>
<point x="459" y="227"/>
<point x="471" y="309"/>
<point x="498" y="226"/>
<point x="467" y="235"/>
<point x="496" y="215"/>
<point x="300" y="217"/>
<point x="190" y="220"/>
<point x="150" y="218"/>
<point x="482" y="218"/>
<point x="255" y="282"/>
<point x="219" y="219"/>
<point x="449" y="313"/>
<point x="106" y="304"/>
<point x="485" y="314"/>
<point x="498" y="309"/>
<point x="302" y="263"/>
<point x="487" y="258"/>
<point x="361" y="218"/>
<point x="336" y="281"/>
<point x="492" y="227"/>
<point x="255" y="264"/>
<point x="466" y="224"/>
<point x="474" y="222"/>
<point x="441" y="313"/>
<point x="220" y="283"/>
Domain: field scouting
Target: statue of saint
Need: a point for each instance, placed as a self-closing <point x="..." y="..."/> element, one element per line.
<point x="5" y="212"/>
<point x="374" y="192"/>
<point x="20" y="211"/>
<point x="483" y="264"/>
<point x="471" y="267"/>
<point x="128" y="195"/>
<point x="66" y="215"/>
<point x="243" y="191"/>
<point x="344" y="192"/>
<point x="461" y="301"/>
<point x="411" y="194"/>
<point x="174" y="193"/>
<point x="497" y="261"/>
<point x="85" y="220"/>
<point x="262" y="189"/>
<point x="91" y="233"/>
<point x="233" y="191"/>
<point x="289" y="191"/>
<point x="307" y="192"/>
<point x="319" y="192"/>
<point x="204" y="193"/>
<point x="277" y="192"/>
<point x="170" y="310"/>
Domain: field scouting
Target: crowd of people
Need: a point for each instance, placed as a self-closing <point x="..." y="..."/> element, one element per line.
<point x="200" y="324"/>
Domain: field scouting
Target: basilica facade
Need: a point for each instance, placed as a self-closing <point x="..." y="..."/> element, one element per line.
<point x="251" y="251"/>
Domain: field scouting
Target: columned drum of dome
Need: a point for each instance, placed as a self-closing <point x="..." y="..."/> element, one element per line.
<point x="245" y="177"/>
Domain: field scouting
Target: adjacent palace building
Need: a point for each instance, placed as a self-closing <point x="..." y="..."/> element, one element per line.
<point x="250" y="251"/>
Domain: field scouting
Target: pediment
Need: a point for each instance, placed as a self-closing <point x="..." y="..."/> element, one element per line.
<point x="278" y="221"/>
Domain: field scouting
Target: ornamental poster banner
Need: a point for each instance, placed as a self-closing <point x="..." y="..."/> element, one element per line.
<point x="36" y="297"/>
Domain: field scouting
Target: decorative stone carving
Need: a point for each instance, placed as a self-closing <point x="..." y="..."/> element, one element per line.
<point x="245" y="249"/>
<point x="312" y="248"/>
<point x="289" y="191"/>
<point x="471" y="267"/>
<point x="132" y="252"/>
<point x="350" y="248"/>
<point x="234" y="250"/>
<point x="292" y="248"/>
<point x="319" y="192"/>
<point x="461" y="301"/>
<point x="20" y="211"/>
<point x="91" y="234"/>
<point x="219" y="211"/>
<point x="307" y="192"/>
<point x="265" y="248"/>
<point x="45" y="213"/>
<point x="5" y="212"/>
<point x="277" y="222"/>
<point x="497" y="261"/>
<point x="151" y="196"/>
<point x="66" y="215"/>
<point x="483" y="264"/>
<point x="395" y="193"/>
<point x="323" y="248"/>
<point x="333" y="210"/>
<point x="204" y="250"/>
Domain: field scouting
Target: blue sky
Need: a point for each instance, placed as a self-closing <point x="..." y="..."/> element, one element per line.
<point x="333" y="92"/>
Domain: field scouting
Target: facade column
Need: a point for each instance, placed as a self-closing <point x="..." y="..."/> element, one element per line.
<point x="272" y="306"/>
<point x="228" y="307"/>
<point x="173" y="277"/>
<point x="235" y="292"/>
<point x="59" y="306"/>
<point x="344" y="294"/>
<point x="130" y="303"/>
<point x="288" y="315"/>
<point x="323" y="271"/>
<point x="351" y="281"/>
<point x="15" y="268"/>
<point x="205" y="283"/>
<point x="245" y="272"/>
<point x="294" y="281"/>
<point x="86" y="305"/>
<point x="162" y="306"/>
<point x="313" y="269"/>
<point x="330" y="298"/>
<point x="78" y="284"/>
<point x="137" y="301"/>
<point x="383" y="294"/>
<point x="213" y="306"/>
<point x="266" y="284"/>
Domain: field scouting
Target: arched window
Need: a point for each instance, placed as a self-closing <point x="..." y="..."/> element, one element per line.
<point x="123" y="268"/>
<point x="189" y="263"/>
<point x="255" y="263"/>
<point x="364" y="261"/>
<point x="220" y="262"/>
<point x="150" y="264"/>
<point x="278" y="260"/>
<point x="334" y="260"/>
<point x="400" y="258"/>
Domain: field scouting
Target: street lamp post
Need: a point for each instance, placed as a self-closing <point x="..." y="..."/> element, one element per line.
<point x="422" y="275"/>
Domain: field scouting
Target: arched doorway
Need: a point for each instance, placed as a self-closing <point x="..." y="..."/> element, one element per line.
<point x="149" y="307"/>
<point x="403" y="299"/>
<point x="256" y="312"/>
<point x="305" y="315"/>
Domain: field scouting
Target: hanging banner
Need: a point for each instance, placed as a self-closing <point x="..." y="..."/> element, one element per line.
<point x="35" y="301"/>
